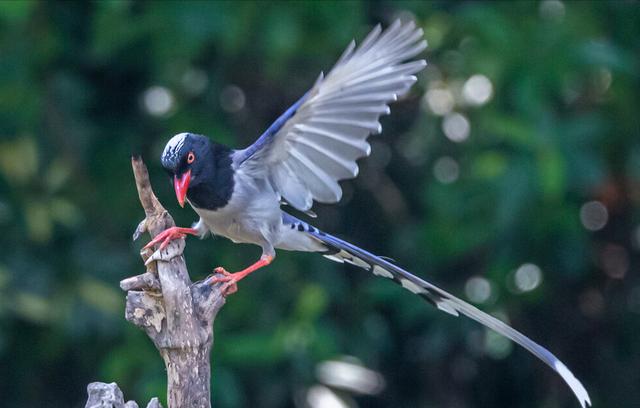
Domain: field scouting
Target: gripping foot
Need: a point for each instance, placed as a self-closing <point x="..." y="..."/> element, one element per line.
<point x="231" y="279"/>
<point x="169" y="235"/>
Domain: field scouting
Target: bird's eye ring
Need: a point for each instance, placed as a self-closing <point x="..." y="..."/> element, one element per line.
<point x="191" y="157"/>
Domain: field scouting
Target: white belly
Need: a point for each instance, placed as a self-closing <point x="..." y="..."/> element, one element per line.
<point x="252" y="215"/>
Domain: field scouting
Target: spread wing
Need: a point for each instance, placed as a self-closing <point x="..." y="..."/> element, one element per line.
<point x="317" y="141"/>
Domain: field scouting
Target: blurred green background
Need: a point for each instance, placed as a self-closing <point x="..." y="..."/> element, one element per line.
<point x="510" y="175"/>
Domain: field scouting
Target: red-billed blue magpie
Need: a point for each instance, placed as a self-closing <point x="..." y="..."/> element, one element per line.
<point x="300" y="158"/>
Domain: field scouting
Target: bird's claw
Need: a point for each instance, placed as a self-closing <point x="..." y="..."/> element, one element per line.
<point x="220" y="270"/>
<point x="166" y="237"/>
<point x="230" y="280"/>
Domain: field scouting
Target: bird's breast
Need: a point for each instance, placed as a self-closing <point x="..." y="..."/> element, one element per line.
<point x="251" y="214"/>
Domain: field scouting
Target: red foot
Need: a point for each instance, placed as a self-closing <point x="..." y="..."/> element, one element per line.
<point x="231" y="279"/>
<point x="230" y="287"/>
<point x="169" y="235"/>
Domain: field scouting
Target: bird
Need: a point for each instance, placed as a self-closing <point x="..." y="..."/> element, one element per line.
<point x="299" y="160"/>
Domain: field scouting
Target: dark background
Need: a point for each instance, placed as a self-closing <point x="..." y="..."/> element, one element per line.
<point x="510" y="175"/>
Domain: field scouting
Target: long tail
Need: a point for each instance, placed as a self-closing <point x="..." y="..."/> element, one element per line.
<point x="341" y="251"/>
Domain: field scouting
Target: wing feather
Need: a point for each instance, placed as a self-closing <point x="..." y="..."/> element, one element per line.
<point x="316" y="143"/>
<point x="322" y="186"/>
<point x="367" y="43"/>
<point x="360" y="126"/>
<point x="364" y="108"/>
<point x="335" y="164"/>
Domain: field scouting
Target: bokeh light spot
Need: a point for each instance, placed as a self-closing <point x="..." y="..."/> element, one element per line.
<point x="594" y="215"/>
<point x="456" y="127"/>
<point x="615" y="261"/>
<point x="527" y="277"/>
<point x="158" y="101"/>
<point x="496" y="345"/>
<point x="232" y="98"/>
<point x="320" y="396"/>
<point x="439" y="100"/>
<point x="477" y="90"/>
<point x="446" y="170"/>
<point x="349" y="374"/>
<point x="478" y="289"/>
<point x="194" y="81"/>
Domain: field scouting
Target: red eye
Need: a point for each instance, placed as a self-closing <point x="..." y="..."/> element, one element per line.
<point x="191" y="157"/>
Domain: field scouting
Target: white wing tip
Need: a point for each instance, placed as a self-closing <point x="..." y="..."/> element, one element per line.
<point x="573" y="383"/>
<point x="380" y="271"/>
<point x="412" y="287"/>
<point x="422" y="45"/>
<point x="445" y="307"/>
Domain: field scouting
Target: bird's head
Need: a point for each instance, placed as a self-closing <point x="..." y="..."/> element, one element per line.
<point x="186" y="157"/>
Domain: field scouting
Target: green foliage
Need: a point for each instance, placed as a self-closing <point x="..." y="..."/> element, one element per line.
<point x="465" y="182"/>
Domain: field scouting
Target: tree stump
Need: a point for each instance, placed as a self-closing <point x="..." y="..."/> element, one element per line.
<point x="175" y="313"/>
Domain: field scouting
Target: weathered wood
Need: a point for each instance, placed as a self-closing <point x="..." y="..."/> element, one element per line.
<point x="103" y="395"/>
<point x="145" y="281"/>
<point x="175" y="313"/>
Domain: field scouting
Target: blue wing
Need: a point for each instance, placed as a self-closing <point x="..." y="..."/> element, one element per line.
<point x="268" y="136"/>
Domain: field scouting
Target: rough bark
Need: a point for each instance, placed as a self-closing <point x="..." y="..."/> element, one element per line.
<point x="175" y="313"/>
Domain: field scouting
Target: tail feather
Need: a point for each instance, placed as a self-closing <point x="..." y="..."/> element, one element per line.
<point x="342" y="251"/>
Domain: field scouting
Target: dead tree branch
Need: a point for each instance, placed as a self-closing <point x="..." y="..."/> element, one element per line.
<point x="175" y="313"/>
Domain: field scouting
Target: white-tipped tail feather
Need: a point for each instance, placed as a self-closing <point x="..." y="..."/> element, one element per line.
<point x="342" y="251"/>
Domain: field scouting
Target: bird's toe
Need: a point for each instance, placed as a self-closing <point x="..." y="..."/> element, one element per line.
<point x="220" y="270"/>
<point x="229" y="288"/>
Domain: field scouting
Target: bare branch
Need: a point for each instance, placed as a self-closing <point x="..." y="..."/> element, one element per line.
<point x="175" y="313"/>
<point x="146" y="281"/>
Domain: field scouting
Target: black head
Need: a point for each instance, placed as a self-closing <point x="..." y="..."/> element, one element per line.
<point x="198" y="167"/>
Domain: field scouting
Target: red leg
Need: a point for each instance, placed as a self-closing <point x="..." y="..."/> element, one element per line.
<point x="231" y="279"/>
<point x="169" y="235"/>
